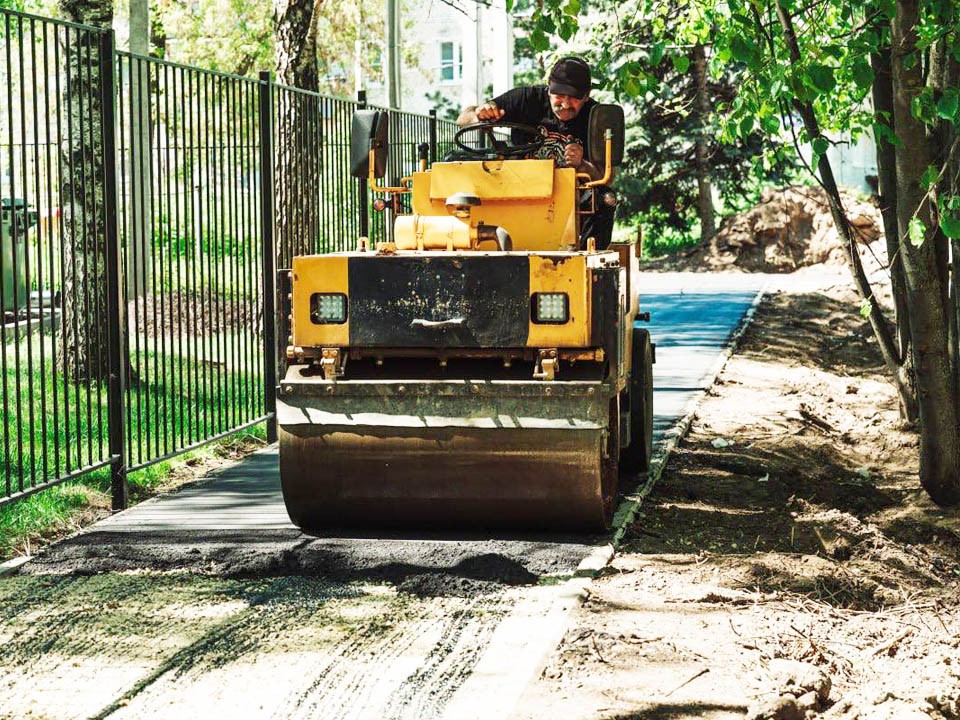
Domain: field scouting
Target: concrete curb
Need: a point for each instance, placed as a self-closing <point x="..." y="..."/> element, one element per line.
<point x="11" y="566"/>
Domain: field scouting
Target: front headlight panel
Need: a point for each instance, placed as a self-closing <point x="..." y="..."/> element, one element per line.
<point x="328" y="308"/>
<point x="547" y="308"/>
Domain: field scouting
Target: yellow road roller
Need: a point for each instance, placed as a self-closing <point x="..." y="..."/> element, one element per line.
<point x="480" y="369"/>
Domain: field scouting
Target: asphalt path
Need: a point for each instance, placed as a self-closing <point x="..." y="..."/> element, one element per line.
<point x="234" y="525"/>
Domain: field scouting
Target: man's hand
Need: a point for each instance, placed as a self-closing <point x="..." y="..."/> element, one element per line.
<point x="573" y="155"/>
<point x="489" y="111"/>
<point x="485" y="112"/>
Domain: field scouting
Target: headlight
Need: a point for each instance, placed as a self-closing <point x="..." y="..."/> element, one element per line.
<point x="551" y="308"/>
<point x="328" y="308"/>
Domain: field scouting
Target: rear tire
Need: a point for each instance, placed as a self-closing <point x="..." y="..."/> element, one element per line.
<point x="635" y="458"/>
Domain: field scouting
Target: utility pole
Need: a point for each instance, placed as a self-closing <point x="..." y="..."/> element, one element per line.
<point x="141" y="164"/>
<point x="478" y="30"/>
<point x="393" y="53"/>
<point x="357" y="66"/>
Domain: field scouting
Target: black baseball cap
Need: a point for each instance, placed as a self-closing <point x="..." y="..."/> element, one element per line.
<point x="570" y="76"/>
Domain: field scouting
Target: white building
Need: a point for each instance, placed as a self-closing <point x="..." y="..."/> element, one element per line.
<point x="463" y="50"/>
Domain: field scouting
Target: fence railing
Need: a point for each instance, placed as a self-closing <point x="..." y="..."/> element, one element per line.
<point x="145" y="208"/>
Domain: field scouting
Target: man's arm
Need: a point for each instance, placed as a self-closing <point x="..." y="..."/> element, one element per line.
<point x="484" y="112"/>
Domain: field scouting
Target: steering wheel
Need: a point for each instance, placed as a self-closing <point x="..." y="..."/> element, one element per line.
<point x="499" y="148"/>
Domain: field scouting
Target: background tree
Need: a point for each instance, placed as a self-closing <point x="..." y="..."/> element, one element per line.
<point x="82" y="350"/>
<point x="809" y="69"/>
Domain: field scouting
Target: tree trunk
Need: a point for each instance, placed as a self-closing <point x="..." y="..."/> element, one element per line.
<point x="887" y="190"/>
<point x="925" y="269"/>
<point x="702" y="151"/>
<point x="82" y="347"/>
<point x="297" y="169"/>
<point x="944" y="75"/>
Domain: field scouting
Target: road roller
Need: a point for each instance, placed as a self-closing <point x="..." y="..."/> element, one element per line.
<point x="482" y="366"/>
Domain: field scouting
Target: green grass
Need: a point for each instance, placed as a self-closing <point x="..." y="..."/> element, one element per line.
<point x="28" y="522"/>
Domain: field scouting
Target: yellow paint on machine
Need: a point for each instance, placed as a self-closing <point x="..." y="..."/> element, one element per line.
<point x="318" y="274"/>
<point x="567" y="274"/>
<point x="538" y="213"/>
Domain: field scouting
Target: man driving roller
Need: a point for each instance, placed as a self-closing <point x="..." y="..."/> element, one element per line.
<point x="561" y="111"/>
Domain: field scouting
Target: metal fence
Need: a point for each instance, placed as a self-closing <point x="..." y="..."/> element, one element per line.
<point x="146" y="208"/>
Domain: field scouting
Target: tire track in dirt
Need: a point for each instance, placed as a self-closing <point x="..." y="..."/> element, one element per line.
<point x="328" y="650"/>
<point x="409" y="672"/>
<point x="283" y="605"/>
<point x="425" y="693"/>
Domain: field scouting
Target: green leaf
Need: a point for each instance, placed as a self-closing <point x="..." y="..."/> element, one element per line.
<point x="821" y="79"/>
<point x="882" y="131"/>
<point x="771" y="124"/>
<point x="632" y="86"/>
<point x="539" y="41"/>
<point x="509" y="6"/>
<point x="820" y="145"/>
<point x="744" y="50"/>
<point x="746" y="125"/>
<point x="929" y="177"/>
<point x="947" y="105"/>
<point x="572" y="7"/>
<point x="865" y="308"/>
<point x="863" y="75"/>
<point x="916" y="231"/>
<point x="681" y="63"/>
<point x="656" y="55"/>
<point x="950" y="224"/>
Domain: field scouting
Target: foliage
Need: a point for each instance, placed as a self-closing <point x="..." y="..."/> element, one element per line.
<point x="664" y="125"/>
<point x="236" y="36"/>
<point x="447" y="109"/>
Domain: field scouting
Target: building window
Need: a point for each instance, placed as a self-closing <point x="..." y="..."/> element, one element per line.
<point x="451" y="61"/>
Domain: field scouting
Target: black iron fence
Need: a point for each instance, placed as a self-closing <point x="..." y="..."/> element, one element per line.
<point x="146" y="207"/>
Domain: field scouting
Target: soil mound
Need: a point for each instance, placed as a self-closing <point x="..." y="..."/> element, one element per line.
<point x="790" y="228"/>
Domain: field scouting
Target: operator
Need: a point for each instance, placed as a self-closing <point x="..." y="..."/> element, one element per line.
<point x="561" y="111"/>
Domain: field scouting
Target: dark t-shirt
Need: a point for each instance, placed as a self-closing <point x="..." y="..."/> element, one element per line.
<point x="531" y="106"/>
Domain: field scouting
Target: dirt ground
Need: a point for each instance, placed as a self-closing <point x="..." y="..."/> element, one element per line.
<point x="787" y="565"/>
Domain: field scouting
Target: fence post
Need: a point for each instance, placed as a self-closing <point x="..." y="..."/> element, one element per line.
<point x="116" y="350"/>
<point x="362" y="182"/>
<point x="433" y="135"/>
<point x="268" y="252"/>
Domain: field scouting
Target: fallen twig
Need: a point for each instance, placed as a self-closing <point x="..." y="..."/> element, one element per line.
<point x="597" y="651"/>
<point x="887" y="647"/>
<point x="688" y="681"/>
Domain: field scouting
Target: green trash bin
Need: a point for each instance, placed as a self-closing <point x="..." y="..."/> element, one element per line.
<point x="13" y="250"/>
